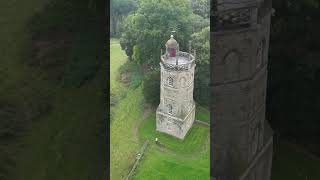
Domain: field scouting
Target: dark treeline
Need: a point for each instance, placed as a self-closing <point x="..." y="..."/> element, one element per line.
<point x="293" y="100"/>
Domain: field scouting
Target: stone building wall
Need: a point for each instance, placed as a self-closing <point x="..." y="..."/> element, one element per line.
<point x="176" y="111"/>
<point x="240" y="41"/>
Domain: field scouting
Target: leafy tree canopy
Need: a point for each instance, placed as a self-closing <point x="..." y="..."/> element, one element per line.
<point x="201" y="43"/>
<point x="122" y="7"/>
<point x="118" y="11"/>
<point x="151" y="25"/>
<point x="201" y="7"/>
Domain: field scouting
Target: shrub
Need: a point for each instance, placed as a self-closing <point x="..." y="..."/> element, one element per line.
<point x="201" y="85"/>
<point x="133" y="71"/>
<point x="151" y="88"/>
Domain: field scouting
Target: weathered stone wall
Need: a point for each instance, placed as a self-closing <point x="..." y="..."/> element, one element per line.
<point x="176" y="111"/>
<point x="174" y="126"/>
<point x="234" y="4"/>
<point x="239" y="79"/>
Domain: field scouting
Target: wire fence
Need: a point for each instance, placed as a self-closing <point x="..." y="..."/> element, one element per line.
<point x="138" y="158"/>
<point x="202" y="123"/>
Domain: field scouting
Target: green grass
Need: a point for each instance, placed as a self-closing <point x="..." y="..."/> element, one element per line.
<point x="195" y="139"/>
<point x="179" y="159"/>
<point x="117" y="58"/>
<point x="129" y="129"/>
<point x="202" y="114"/>
<point x="123" y="139"/>
<point x="126" y="115"/>
<point x="157" y="164"/>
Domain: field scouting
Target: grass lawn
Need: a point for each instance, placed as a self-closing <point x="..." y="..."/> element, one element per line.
<point x="179" y="159"/>
<point x="126" y="115"/>
<point x="117" y="58"/>
<point x="202" y="114"/>
<point x="124" y="142"/>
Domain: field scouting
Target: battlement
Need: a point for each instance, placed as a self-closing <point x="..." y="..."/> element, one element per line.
<point x="182" y="61"/>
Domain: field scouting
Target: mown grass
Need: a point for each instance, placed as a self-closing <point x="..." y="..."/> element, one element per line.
<point x="202" y="114"/>
<point x="124" y="142"/>
<point x="117" y="89"/>
<point x="194" y="140"/>
<point x="126" y="115"/>
<point x="177" y="159"/>
<point x="159" y="165"/>
<point x="117" y="58"/>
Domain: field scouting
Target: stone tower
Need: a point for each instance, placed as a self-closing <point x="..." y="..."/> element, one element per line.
<point x="176" y="111"/>
<point x="242" y="139"/>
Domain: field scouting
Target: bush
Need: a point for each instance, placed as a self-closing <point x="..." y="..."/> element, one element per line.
<point x="201" y="85"/>
<point x="134" y="72"/>
<point x="151" y="88"/>
<point x="136" y="54"/>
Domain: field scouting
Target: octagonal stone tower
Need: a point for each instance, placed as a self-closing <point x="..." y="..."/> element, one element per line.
<point x="242" y="138"/>
<point x="176" y="111"/>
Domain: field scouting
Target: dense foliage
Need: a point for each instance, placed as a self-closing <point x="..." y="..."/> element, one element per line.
<point x="150" y="26"/>
<point x="202" y="73"/>
<point x="119" y="10"/>
<point x="151" y="88"/>
<point x="131" y="74"/>
<point x="201" y="7"/>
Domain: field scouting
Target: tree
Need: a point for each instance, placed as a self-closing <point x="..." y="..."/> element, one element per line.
<point x="201" y="44"/>
<point x="151" y="25"/>
<point x="151" y="88"/>
<point x="119" y="10"/>
<point x="198" y="23"/>
<point x="201" y="7"/>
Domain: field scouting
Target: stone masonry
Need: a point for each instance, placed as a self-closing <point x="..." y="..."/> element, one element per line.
<point x="176" y="111"/>
<point x="242" y="139"/>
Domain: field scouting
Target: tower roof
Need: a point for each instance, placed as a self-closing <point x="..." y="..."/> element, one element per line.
<point x="172" y="43"/>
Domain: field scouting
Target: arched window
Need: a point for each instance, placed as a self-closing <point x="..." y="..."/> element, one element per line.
<point x="183" y="82"/>
<point x="169" y="109"/>
<point x="170" y="81"/>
